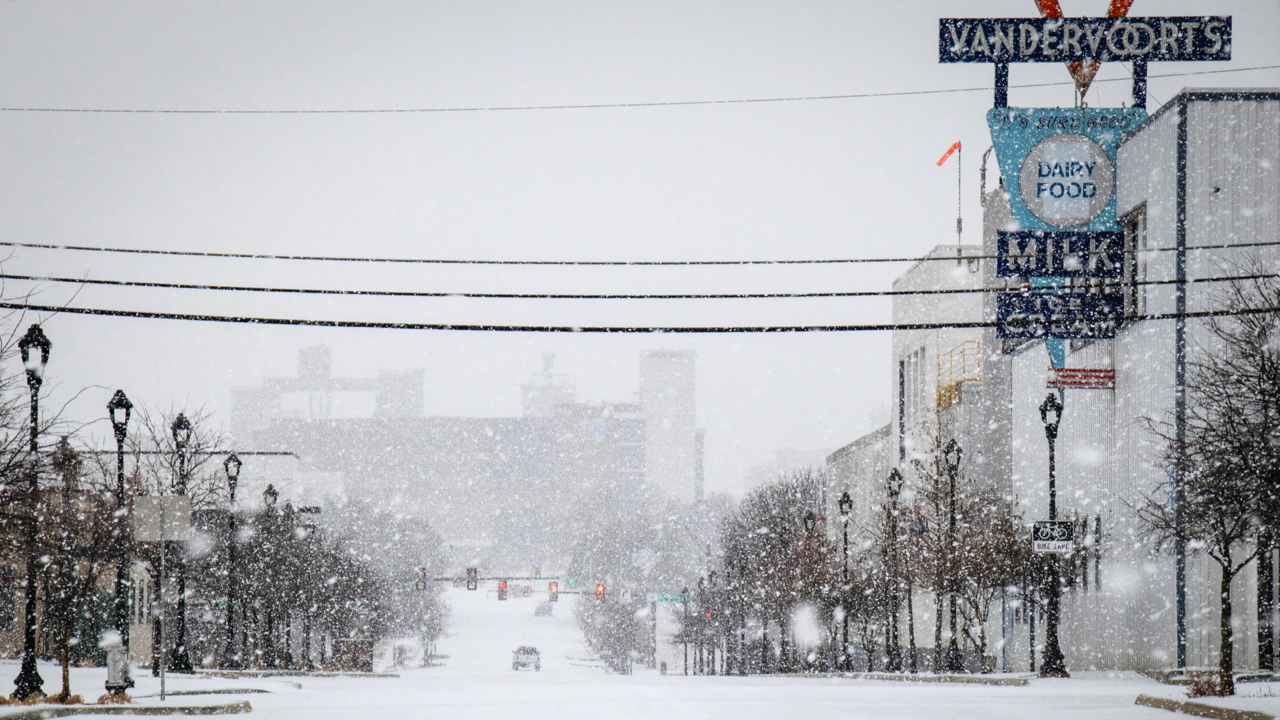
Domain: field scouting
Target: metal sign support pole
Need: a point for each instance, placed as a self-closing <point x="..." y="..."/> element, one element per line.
<point x="162" y="612"/>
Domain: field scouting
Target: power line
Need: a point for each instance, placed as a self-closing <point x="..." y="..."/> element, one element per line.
<point x="625" y="329"/>
<point x="564" y="263"/>
<point x="573" y="296"/>
<point x="591" y="106"/>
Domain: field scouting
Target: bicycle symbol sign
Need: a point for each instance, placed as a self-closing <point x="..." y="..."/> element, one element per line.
<point x="1053" y="536"/>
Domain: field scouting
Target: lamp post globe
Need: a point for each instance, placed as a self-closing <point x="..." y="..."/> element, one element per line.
<point x="180" y="658"/>
<point x="119" y="409"/>
<point x="34" y="348"/>
<point x="231" y="659"/>
<point x="1054" y="664"/>
<point x="951" y="456"/>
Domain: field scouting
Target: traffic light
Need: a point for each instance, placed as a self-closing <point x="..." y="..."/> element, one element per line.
<point x="472" y="581"/>
<point x="600" y="592"/>
<point x="553" y="591"/>
<point x="502" y="589"/>
<point x="421" y="583"/>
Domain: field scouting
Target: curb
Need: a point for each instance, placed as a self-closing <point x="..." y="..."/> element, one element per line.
<point x="234" y="674"/>
<point x="53" y="712"/>
<point x="960" y="679"/>
<point x="1187" y="707"/>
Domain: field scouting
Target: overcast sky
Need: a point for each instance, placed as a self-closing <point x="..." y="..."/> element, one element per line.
<point x="816" y="179"/>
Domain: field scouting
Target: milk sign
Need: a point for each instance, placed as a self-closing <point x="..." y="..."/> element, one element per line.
<point x="1058" y="164"/>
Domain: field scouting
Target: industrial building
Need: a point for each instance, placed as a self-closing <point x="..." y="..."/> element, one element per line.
<point x="1203" y="171"/>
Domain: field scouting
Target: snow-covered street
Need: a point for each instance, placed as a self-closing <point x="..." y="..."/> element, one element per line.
<point x="475" y="680"/>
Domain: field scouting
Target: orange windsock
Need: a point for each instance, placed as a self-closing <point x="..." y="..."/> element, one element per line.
<point x="947" y="154"/>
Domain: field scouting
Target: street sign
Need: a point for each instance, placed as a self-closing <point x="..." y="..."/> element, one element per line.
<point x="1027" y="253"/>
<point x="1067" y="315"/>
<point x="1082" y="378"/>
<point x="1053" y="536"/>
<point x="147" y="517"/>
<point x="666" y="597"/>
<point x="1055" y="40"/>
<point x="1058" y="164"/>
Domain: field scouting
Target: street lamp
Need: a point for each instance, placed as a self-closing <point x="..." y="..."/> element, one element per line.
<point x="846" y="507"/>
<point x="894" y="486"/>
<point x="29" y="681"/>
<point x="119" y="409"/>
<point x="180" y="659"/>
<point x="951" y="455"/>
<point x="229" y="659"/>
<point x="1053" y="664"/>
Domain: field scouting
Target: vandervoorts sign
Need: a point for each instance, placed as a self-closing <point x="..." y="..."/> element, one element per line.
<point x="1018" y="40"/>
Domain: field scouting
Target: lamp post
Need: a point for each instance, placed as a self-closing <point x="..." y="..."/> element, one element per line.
<point x="846" y="507"/>
<point x="229" y="659"/>
<point x="951" y="455"/>
<point x="180" y="659"/>
<point x="1053" y="664"/>
<point x="119" y="409"/>
<point x="894" y="486"/>
<point x="29" y="681"/>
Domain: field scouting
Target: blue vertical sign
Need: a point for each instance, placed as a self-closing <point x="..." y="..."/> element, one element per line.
<point x="1058" y="164"/>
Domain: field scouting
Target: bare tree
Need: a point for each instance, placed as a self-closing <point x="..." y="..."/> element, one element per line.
<point x="1228" y="461"/>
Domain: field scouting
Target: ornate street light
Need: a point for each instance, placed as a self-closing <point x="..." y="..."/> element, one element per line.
<point x="1054" y="664"/>
<point x="229" y="658"/>
<point x="894" y="486"/>
<point x="846" y="507"/>
<point x="180" y="659"/>
<point x="34" y="347"/>
<point x="951" y="455"/>
<point x="119" y="409"/>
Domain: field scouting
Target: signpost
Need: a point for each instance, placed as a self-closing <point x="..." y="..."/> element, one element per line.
<point x="1055" y="40"/>
<point x="1082" y="378"/>
<point x="1026" y="253"/>
<point x="1058" y="315"/>
<point x="161" y="519"/>
<point x="1053" y="536"/>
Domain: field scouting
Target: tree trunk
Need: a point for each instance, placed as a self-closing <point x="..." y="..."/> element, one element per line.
<point x="937" y="632"/>
<point x="66" y="659"/>
<point x="1226" y="659"/>
<point x="1266" y="601"/>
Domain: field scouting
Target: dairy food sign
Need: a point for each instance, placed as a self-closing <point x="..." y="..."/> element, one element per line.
<point x="1017" y="40"/>
<point x="1067" y="180"/>
<point x="1058" y="164"/>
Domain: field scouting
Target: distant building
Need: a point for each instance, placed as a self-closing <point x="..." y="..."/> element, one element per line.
<point x="667" y="392"/>
<point x="500" y="489"/>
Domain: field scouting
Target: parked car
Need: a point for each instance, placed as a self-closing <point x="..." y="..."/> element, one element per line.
<point x="543" y="610"/>
<point x="525" y="656"/>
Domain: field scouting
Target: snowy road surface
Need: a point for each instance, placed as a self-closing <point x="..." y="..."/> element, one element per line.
<point x="476" y="682"/>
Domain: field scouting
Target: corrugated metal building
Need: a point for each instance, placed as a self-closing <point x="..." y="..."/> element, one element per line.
<point x="1198" y="188"/>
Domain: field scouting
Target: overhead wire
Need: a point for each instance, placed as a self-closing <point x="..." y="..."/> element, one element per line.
<point x="586" y="106"/>
<point x="577" y="296"/>
<point x="566" y="263"/>
<point x="589" y="329"/>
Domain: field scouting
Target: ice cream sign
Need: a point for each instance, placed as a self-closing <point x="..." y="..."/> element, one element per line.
<point x="1058" y="164"/>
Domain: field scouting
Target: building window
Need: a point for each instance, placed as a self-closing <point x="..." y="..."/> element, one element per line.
<point x="1135" y="262"/>
<point x="915" y="378"/>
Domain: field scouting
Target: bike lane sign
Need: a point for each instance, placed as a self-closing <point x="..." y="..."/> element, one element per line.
<point x="1053" y="536"/>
